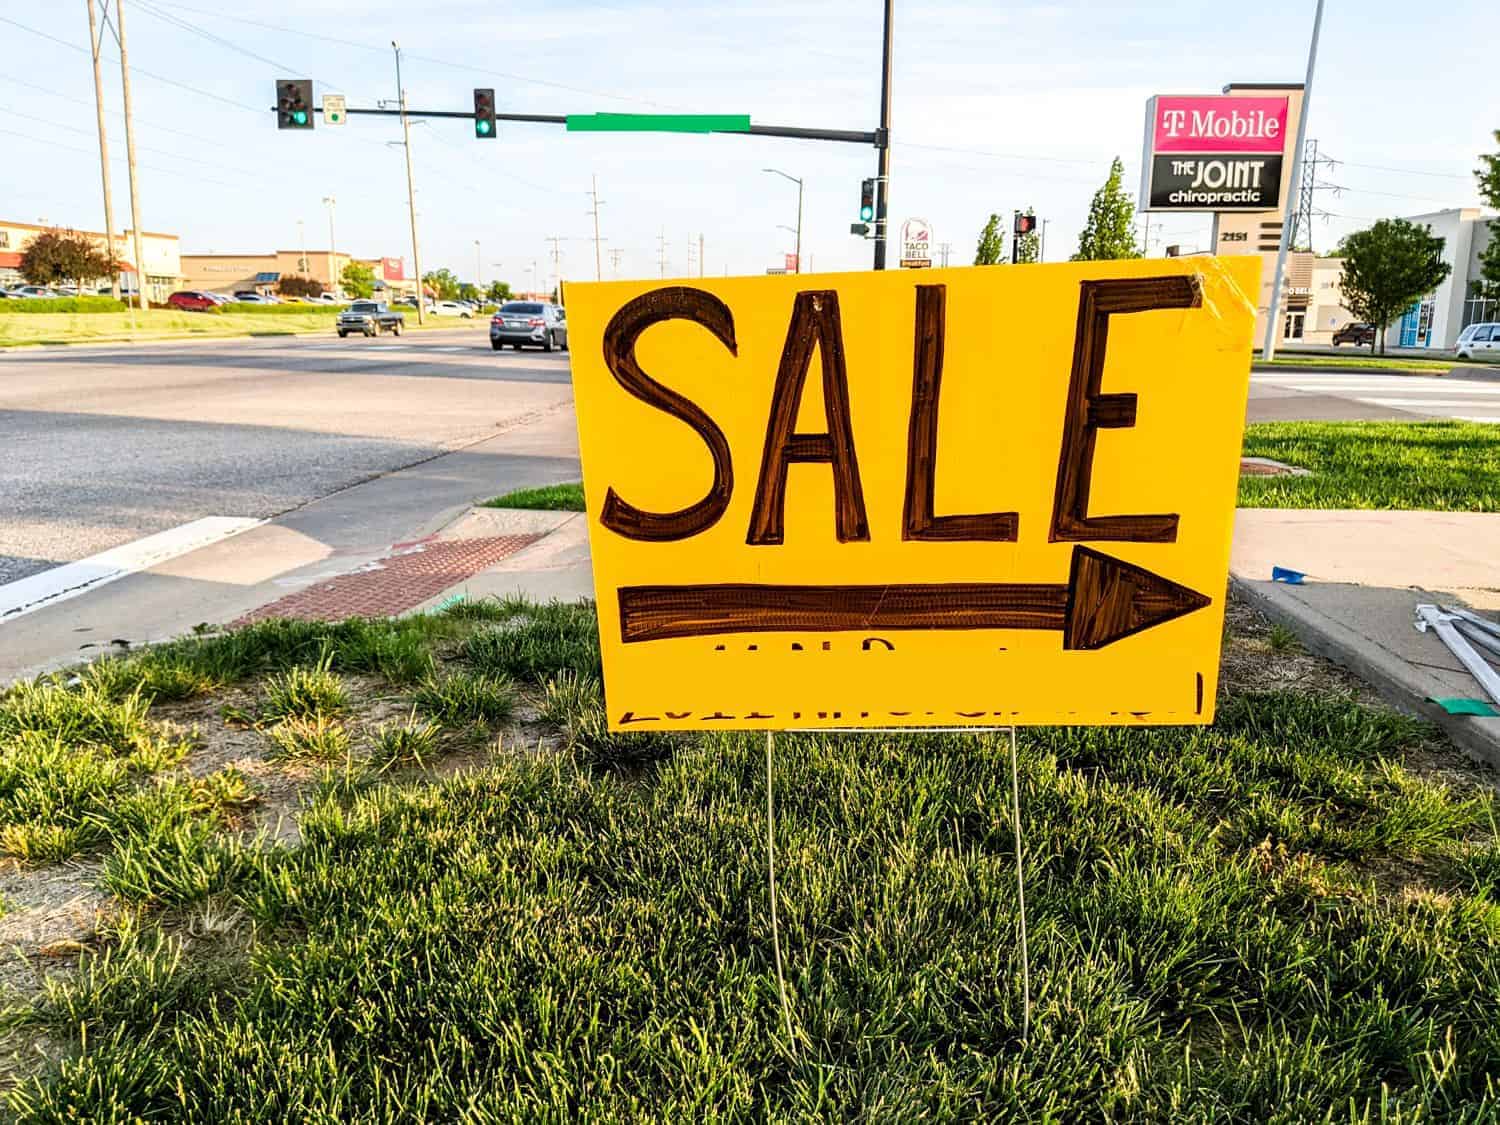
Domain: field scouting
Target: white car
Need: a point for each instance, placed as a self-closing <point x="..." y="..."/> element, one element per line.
<point x="1480" y="341"/>
<point x="451" y="308"/>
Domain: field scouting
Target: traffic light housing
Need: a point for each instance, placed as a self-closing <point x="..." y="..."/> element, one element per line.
<point x="294" y="103"/>
<point x="1025" y="224"/>
<point x="484" y="114"/>
<point x="867" y="201"/>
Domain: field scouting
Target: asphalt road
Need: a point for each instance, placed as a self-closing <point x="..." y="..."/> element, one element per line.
<point x="1330" y="395"/>
<point x="106" y="444"/>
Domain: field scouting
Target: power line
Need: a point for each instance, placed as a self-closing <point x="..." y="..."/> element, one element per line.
<point x="424" y="58"/>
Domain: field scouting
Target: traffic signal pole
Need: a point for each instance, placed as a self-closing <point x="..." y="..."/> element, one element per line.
<point x="883" y="140"/>
<point x="411" y="191"/>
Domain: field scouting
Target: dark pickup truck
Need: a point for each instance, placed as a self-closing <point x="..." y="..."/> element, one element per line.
<point x="370" y="318"/>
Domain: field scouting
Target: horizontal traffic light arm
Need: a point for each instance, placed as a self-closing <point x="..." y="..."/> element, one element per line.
<point x="850" y="136"/>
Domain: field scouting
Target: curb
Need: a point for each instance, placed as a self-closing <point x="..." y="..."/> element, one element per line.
<point x="1403" y="685"/>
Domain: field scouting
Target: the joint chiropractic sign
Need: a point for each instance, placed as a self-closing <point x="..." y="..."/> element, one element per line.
<point x="1214" y="153"/>
<point x="869" y="500"/>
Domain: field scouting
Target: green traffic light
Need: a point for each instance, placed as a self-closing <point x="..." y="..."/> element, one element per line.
<point x="866" y="213"/>
<point x="482" y="128"/>
<point x="300" y="116"/>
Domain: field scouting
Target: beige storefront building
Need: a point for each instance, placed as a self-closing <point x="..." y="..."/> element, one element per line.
<point x="162" y="261"/>
<point x="263" y="273"/>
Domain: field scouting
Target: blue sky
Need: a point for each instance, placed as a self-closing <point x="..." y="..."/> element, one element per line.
<point x="996" y="106"/>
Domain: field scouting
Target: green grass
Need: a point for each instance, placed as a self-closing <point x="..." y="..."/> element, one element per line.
<point x="305" y="693"/>
<point x="52" y="326"/>
<point x="463" y="698"/>
<point x="315" y="737"/>
<point x="1361" y="362"/>
<point x="538" y="642"/>
<point x="1436" y="466"/>
<point x="551" y="498"/>
<point x="1278" y="918"/>
<point x="1214" y="936"/>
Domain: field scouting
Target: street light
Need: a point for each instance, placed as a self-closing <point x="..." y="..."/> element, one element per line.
<point x="478" y="272"/>
<point x="798" y="182"/>
<point x="333" y="253"/>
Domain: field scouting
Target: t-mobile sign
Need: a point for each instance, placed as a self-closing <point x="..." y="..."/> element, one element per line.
<point x="1213" y="153"/>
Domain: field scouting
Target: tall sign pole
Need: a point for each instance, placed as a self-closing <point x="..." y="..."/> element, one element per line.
<point x="883" y="142"/>
<point x="411" y="191"/>
<point x="1273" y="312"/>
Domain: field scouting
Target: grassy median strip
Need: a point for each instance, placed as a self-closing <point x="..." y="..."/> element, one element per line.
<point x="549" y="498"/>
<point x="1435" y="466"/>
<point x="1286" y="916"/>
<point x="1365" y="362"/>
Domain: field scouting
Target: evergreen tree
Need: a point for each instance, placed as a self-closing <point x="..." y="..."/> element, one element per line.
<point x="991" y="248"/>
<point x="1110" y="232"/>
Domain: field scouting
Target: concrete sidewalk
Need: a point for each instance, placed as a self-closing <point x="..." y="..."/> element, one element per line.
<point x="1366" y="573"/>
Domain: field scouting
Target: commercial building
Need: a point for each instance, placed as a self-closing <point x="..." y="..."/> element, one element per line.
<point x="263" y="273"/>
<point x="1436" y="320"/>
<point x="162" y="263"/>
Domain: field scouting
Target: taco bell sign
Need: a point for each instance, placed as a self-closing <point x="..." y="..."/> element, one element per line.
<point x="1213" y="153"/>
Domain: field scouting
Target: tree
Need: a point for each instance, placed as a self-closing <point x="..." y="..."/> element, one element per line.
<point x="300" y="287"/>
<point x="991" y="248"/>
<point x="358" y="280"/>
<point x="1028" y="247"/>
<point x="1388" y="267"/>
<point x="1110" y="231"/>
<point x="443" y="283"/>
<point x="498" y="291"/>
<point x="58" y="255"/>
<point x="468" y="291"/>
<point x="1488" y="175"/>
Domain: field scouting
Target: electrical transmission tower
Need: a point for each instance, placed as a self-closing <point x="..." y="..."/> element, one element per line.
<point x="615" y="254"/>
<point x="661" y="252"/>
<point x="1302" y="218"/>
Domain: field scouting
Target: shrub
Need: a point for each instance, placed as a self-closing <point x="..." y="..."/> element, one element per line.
<point x="63" y="305"/>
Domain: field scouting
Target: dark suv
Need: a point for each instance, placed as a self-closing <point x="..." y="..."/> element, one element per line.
<point x="1361" y="335"/>
<point x="529" y="322"/>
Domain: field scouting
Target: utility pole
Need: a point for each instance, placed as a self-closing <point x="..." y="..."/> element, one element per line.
<point x="1273" y="313"/>
<point x="883" y="141"/>
<point x="411" y="190"/>
<point x="796" y="180"/>
<point x="688" y="242"/>
<point x="333" y="253"/>
<point x="556" y="253"/>
<point x="594" y="194"/>
<point x="135" y="196"/>
<point x="661" y="252"/>
<point x="614" y="260"/>
<point x="1146" y="238"/>
<point x="1041" y="250"/>
<point x="943" y="249"/>
<point x="109" y="207"/>
<point x="302" y="263"/>
<point x="478" y="269"/>
<point x="700" y="254"/>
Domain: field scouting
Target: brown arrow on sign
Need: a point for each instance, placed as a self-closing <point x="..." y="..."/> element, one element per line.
<point x="1104" y="600"/>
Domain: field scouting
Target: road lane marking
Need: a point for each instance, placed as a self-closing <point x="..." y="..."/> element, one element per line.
<point x="69" y="580"/>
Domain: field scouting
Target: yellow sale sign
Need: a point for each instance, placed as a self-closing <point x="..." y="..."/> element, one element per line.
<point x="986" y="496"/>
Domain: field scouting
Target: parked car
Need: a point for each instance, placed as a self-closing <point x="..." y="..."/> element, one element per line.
<point x="370" y="318"/>
<point x="326" y="299"/>
<point x="190" y="300"/>
<point x="1480" y="341"/>
<point x="451" y="308"/>
<point x="1362" y="335"/>
<point x="529" y="322"/>
<point x="220" y="298"/>
<point x="251" y="297"/>
<point x="32" y="292"/>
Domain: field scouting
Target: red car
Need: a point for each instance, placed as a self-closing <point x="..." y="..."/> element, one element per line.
<point x="191" y="301"/>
